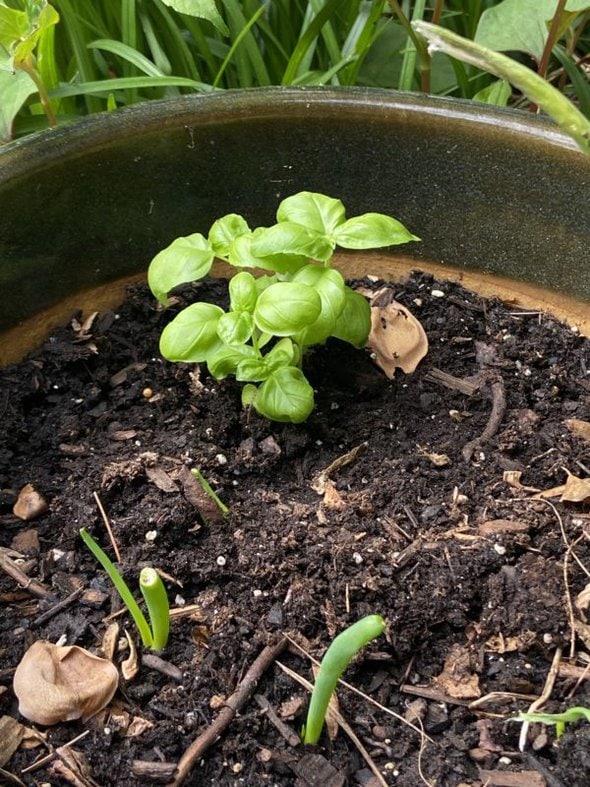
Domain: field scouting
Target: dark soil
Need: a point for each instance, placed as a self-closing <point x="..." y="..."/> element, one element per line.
<point x="472" y="573"/>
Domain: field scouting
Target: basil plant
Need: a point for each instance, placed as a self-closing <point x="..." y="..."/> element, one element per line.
<point x="272" y="318"/>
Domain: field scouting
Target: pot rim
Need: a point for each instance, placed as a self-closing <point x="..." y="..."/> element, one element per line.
<point x="48" y="145"/>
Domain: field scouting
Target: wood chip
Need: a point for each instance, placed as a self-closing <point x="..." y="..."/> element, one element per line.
<point x="579" y="428"/>
<point x="495" y="527"/>
<point x="11" y="734"/>
<point x="499" y="778"/>
<point x="29" y="504"/>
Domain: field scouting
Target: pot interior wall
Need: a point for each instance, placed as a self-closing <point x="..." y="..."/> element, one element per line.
<point x="88" y="204"/>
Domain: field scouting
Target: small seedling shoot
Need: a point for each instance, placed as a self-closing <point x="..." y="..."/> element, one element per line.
<point x="154" y="634"/>
<point x="208" y="489"/>
<point x="569" y="716"/>
<point x="335" y="661"/>
<point x="301" y="300"/>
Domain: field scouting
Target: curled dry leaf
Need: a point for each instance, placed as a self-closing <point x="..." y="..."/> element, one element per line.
<point x="29" y="504"/>
<point x="60" y="683"/>
<point x="579" y="428"/>
<point x="397" y="338"/>
<point x="130" y="667"/>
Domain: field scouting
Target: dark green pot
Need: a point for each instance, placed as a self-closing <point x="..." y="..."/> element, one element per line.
<point x="84" y="204"/>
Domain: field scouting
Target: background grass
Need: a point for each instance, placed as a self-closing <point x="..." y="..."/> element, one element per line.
<point x="111" y="53"/>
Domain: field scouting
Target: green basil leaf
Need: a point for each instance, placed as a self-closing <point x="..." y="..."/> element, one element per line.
<point x="225" y="231"/>
<point x="285" y="308"/>
<point x="354" y="323"/>
<point x="192" y="334"/>
<point x="252" y="370"/>
<point x="315" y="211"/>
<point x="285" y="396"/>
<point x="226" y="360"/>
<point x="290" y="238"/>
<point x="330" y="286"/>
<point x="248" y="395"/>
<point x="242" y="256"/>
<point x="243" y="292"/>
<point x="371" y="231"/>
<point x="235" y="327"/>
<point x="185" y="259"/>
<point x="284" y="353"/>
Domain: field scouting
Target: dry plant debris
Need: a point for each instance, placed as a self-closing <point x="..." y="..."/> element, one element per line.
<point x="56" y="683"/>
<point x="397" y="338"/>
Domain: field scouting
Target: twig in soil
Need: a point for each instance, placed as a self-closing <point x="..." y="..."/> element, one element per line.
<point x="107" y="524"/>
<point x="362" y="694"/>
<point x="550" y="779"/>
<point x="10" y="778"/>
<point x="53" y="754"/>
<point x="487" y="358"/>
<point x="538" y="703"/>
<point x="464" y="385"/>
<point x="291" y="737"/>
<point x="432" y="694"/>
<point x="165" y="667"/>
<point x="26" y="583"/>
<point x="581" y="678"/>
<point x="48" y="614"/>
<point x="498" y="696"/>
<point x="337" y="717"/>
<point x="233" y="704"/>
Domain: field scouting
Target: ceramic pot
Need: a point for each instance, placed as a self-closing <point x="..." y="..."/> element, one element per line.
<point x="490" y="192"/>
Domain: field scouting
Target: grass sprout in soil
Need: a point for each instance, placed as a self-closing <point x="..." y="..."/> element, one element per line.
<point x="454" y="502"/>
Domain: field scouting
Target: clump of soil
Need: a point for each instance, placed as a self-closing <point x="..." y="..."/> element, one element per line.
<point x="431" y="521"/>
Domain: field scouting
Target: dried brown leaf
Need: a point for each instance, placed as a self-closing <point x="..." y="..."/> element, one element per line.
<point x="458" y="679"/>
<point x="130" y="667"/>
<point x="438" y="460"/>
<point x="397" y="338"/>
<point x="575" y="490"/>
<point x="11" y="734"/>
<point x="56" y="683"/>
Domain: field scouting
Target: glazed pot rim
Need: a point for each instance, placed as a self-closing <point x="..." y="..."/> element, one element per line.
<point x="230" y="105"/>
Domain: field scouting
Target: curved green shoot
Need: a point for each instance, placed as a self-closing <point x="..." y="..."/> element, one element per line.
<point x="153" y="590"/>
<point x="335" y="661"/>
<point x="559" y="719"/>
<point x="208" y="489"/>
<point x="156" y="636"/>
<point x="534" y="87"/>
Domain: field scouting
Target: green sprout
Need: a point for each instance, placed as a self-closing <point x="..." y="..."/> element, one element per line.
<point x="559" y="719"/>
<point x="154" y="634"/>
<point x="302" y="300"/>
<point x="335" y="661"/>
<point x="208" y="489"/>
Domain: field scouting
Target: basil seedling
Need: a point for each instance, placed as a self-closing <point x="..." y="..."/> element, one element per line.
<point x="299" y="302"/>
<point x="335" y="661"/>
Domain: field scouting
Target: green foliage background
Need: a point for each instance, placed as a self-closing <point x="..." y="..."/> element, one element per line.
<point x="64" y="59"/>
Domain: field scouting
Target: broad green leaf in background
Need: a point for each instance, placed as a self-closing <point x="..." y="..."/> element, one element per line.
<point x="235" y="327"/>
<point x="203" y="9"/>
<point x="243" y="292"/>
<point x="226" y="360"/>
<point x="522" y="25"/>
<point x="15" y="88"/>
<point x="496" y="93"/>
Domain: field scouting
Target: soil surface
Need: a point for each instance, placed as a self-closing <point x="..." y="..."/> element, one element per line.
<point x="431" y="520"/>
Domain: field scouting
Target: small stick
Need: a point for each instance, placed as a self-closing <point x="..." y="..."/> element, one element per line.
<point x="48" y="614"/>
<point x="487" y="358"/>
<point x="234" y="704"/>
<point x="53" y="754"/>
<point x="34" y="588"/>
<point x="288" y="734"/>
<point x="165" y="667"/>
<point x="538" y="703"/>
<point x="107" y="524"/>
